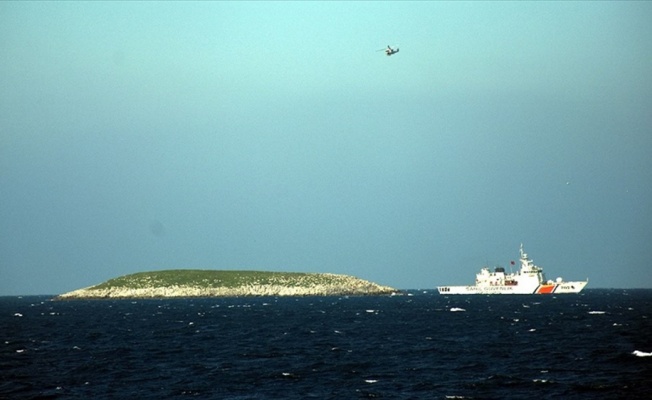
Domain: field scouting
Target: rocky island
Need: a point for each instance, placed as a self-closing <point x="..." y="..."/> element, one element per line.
<point x="221" y="283"/>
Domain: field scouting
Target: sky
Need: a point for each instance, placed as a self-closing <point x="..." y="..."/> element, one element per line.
<point x="138" y="136"/>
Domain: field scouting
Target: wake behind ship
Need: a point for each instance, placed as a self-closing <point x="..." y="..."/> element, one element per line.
<point x="530" y="279"/>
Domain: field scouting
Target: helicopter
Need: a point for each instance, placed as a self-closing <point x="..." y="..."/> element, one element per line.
<point x="389" y="51"/>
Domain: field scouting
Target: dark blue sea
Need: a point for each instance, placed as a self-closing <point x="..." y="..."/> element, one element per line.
<point x="418" y="346"/>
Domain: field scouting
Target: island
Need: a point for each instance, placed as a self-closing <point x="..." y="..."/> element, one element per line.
<point x="226" y="283"/>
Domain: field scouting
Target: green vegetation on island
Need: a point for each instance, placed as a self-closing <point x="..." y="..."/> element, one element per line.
<point x="213" y="283"/>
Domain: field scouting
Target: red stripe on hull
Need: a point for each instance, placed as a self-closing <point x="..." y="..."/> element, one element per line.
<point x="545" y="289"/>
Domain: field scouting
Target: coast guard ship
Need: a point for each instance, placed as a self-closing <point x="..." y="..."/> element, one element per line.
<point x="530" y="279"/>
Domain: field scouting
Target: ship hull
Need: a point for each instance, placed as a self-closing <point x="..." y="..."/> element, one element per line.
<point x="570" y="287"/>
<point x="555" y="288"/>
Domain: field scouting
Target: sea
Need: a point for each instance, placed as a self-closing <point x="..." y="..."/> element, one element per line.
<point x="418" y="345"/>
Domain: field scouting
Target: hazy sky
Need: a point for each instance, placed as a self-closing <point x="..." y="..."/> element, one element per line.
<point x="274" y="136"/>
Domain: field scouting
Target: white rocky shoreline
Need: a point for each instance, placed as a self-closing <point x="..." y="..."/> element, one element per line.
<point x="331" y="285"/>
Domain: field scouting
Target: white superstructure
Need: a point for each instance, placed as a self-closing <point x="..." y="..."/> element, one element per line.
<point x="530" y="279"/>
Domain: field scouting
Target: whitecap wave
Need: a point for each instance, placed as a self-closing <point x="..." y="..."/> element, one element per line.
<point x="639" y="353"/>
